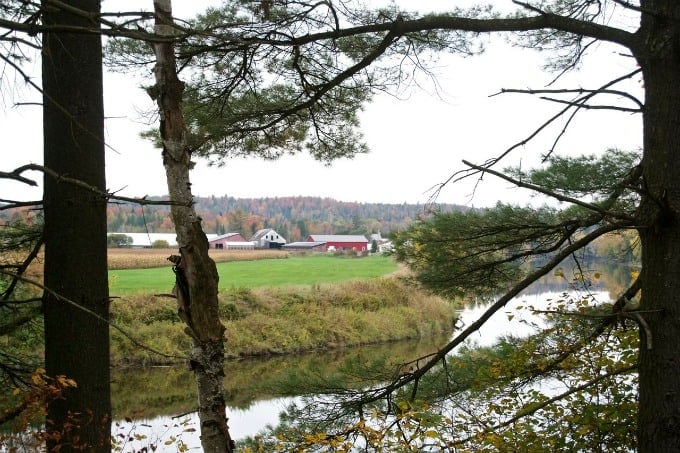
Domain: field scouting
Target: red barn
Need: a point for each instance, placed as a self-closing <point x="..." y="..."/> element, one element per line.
<point x="341" y="241"/>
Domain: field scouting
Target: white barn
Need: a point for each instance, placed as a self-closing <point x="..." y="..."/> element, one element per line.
<point x="144" y="240"/>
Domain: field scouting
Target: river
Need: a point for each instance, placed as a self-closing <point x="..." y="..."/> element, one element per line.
<point x="155" y="405"/>
<point x="158" y="402"/>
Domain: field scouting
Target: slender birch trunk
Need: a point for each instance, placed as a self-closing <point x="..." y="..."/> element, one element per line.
<point x="195" y="272"/>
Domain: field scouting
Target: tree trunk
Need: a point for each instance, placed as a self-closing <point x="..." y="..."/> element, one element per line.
<point x="659" y="367"/>
<point x="76" y="343"/>
<point x="196" y="275"/>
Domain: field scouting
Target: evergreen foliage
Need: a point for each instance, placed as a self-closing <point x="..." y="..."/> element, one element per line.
<point x="570" y="386"/>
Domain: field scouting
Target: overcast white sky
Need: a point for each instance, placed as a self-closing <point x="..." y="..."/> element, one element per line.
<point x="415" y="143"/>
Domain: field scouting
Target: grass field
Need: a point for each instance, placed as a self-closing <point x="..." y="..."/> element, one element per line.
<point x="274" y="273"/>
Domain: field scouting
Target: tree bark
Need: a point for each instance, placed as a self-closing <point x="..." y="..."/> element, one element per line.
<point x="659" y="366"/>
<point x="76" y="343"/>
<point x="195" y="272"/>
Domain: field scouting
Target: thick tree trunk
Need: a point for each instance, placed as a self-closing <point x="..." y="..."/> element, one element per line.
<point x="659" y="367"/>
<point x="196" y="274"/>
<point x="76" y="343"/>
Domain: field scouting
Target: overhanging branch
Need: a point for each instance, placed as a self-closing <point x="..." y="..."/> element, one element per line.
<point x="552" y="194"/>
<point x="403" y="380"/>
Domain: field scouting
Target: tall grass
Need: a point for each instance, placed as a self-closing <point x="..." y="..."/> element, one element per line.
<point x="268" y="306"/>
<point x="279" y="321"/>
<point x="121" y="258"/>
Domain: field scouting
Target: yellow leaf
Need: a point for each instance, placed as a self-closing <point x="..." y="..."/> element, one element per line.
<point x="403" y="405"/>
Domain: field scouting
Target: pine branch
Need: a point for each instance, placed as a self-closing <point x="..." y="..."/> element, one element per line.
<point x="538" y="406"/>
<point x="403" y="380"/>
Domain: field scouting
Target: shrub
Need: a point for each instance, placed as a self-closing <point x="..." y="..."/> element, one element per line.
<point x="160" y="244"/>
<point x="118" y="240"/>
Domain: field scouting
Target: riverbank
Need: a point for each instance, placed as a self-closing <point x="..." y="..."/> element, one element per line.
<point x="273" y="321"/>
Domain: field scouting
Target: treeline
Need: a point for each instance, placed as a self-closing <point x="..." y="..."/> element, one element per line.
<point x="293" y="217"/>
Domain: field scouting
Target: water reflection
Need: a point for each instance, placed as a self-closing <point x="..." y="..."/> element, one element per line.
<point x="258" y="390"/>
<point x="600" y="281"/>
<point x="181" y="432"/>
<point x="146" y="394"/>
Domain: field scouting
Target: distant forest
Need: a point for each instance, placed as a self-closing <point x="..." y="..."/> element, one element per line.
<point x="293" y="217"/>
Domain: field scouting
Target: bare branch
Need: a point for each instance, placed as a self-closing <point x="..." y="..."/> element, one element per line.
<point x="639" y="9"/>
<point x="11" y="204"/>
<point x="107" y="195"/>
<point x="462" y="174"/>
<point x="550" y="193"/>
<point x="16" y="176"/>
<point x="577" y="101"/>
<point x="584" y="106"/>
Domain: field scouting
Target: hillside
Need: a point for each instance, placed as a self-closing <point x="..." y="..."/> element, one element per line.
<point x="293" y="217"/>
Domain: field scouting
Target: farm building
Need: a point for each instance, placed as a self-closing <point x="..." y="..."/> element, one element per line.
<point x="145" y="240"/>
<point x="268" y="239"/>
<point x="231" y="241"/>
<point x="384" y="245"/>
<point x="341" y="241"/>
<point x="300" y="246"/>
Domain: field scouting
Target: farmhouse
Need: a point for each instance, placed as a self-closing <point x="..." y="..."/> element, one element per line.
<point x="231" y="241"/>
<point x="341" y="241"/>
<point x="267" y="239"/>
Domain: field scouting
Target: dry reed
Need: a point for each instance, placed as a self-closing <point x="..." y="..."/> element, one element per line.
<point x="147" y="258"/>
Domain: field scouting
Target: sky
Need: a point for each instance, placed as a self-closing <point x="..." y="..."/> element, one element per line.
<point x="417" y="140"/>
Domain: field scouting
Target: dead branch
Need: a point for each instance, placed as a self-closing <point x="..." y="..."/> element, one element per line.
<point x="463" y="174"/>
<point x="104" y="194"/>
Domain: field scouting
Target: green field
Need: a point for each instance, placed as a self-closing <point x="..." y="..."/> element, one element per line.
<point x="294" y="271"/>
